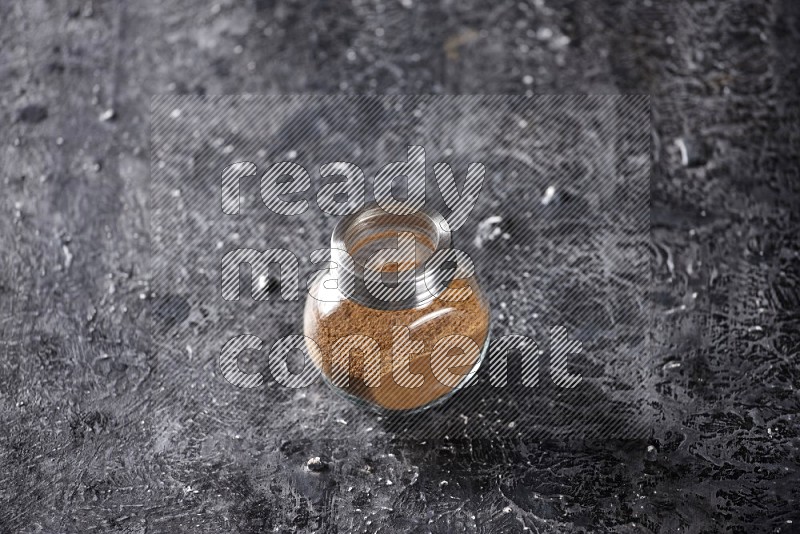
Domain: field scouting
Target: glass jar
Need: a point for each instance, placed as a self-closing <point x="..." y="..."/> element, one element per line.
<point x="389" y="324"/>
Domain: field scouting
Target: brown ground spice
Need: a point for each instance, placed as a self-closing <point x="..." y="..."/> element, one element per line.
<point x="427" y="324"/>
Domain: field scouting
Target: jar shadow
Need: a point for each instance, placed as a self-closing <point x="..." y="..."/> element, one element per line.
<point x="588" y="413"/>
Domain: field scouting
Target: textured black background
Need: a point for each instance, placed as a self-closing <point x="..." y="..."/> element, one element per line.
<point x="84" y="448"/>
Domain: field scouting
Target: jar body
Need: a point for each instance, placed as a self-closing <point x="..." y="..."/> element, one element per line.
<point x="394" y="359"/>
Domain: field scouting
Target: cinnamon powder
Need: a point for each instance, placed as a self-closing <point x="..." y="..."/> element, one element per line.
<point x="427" y="324"/>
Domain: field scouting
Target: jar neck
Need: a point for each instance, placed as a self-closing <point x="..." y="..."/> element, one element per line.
<point x="381" y="257"/>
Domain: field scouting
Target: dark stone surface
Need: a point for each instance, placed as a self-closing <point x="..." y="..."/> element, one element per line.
<point x="84" y="446"/>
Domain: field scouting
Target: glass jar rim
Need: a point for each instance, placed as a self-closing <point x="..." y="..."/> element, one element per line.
<point x="371" y="221"/>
